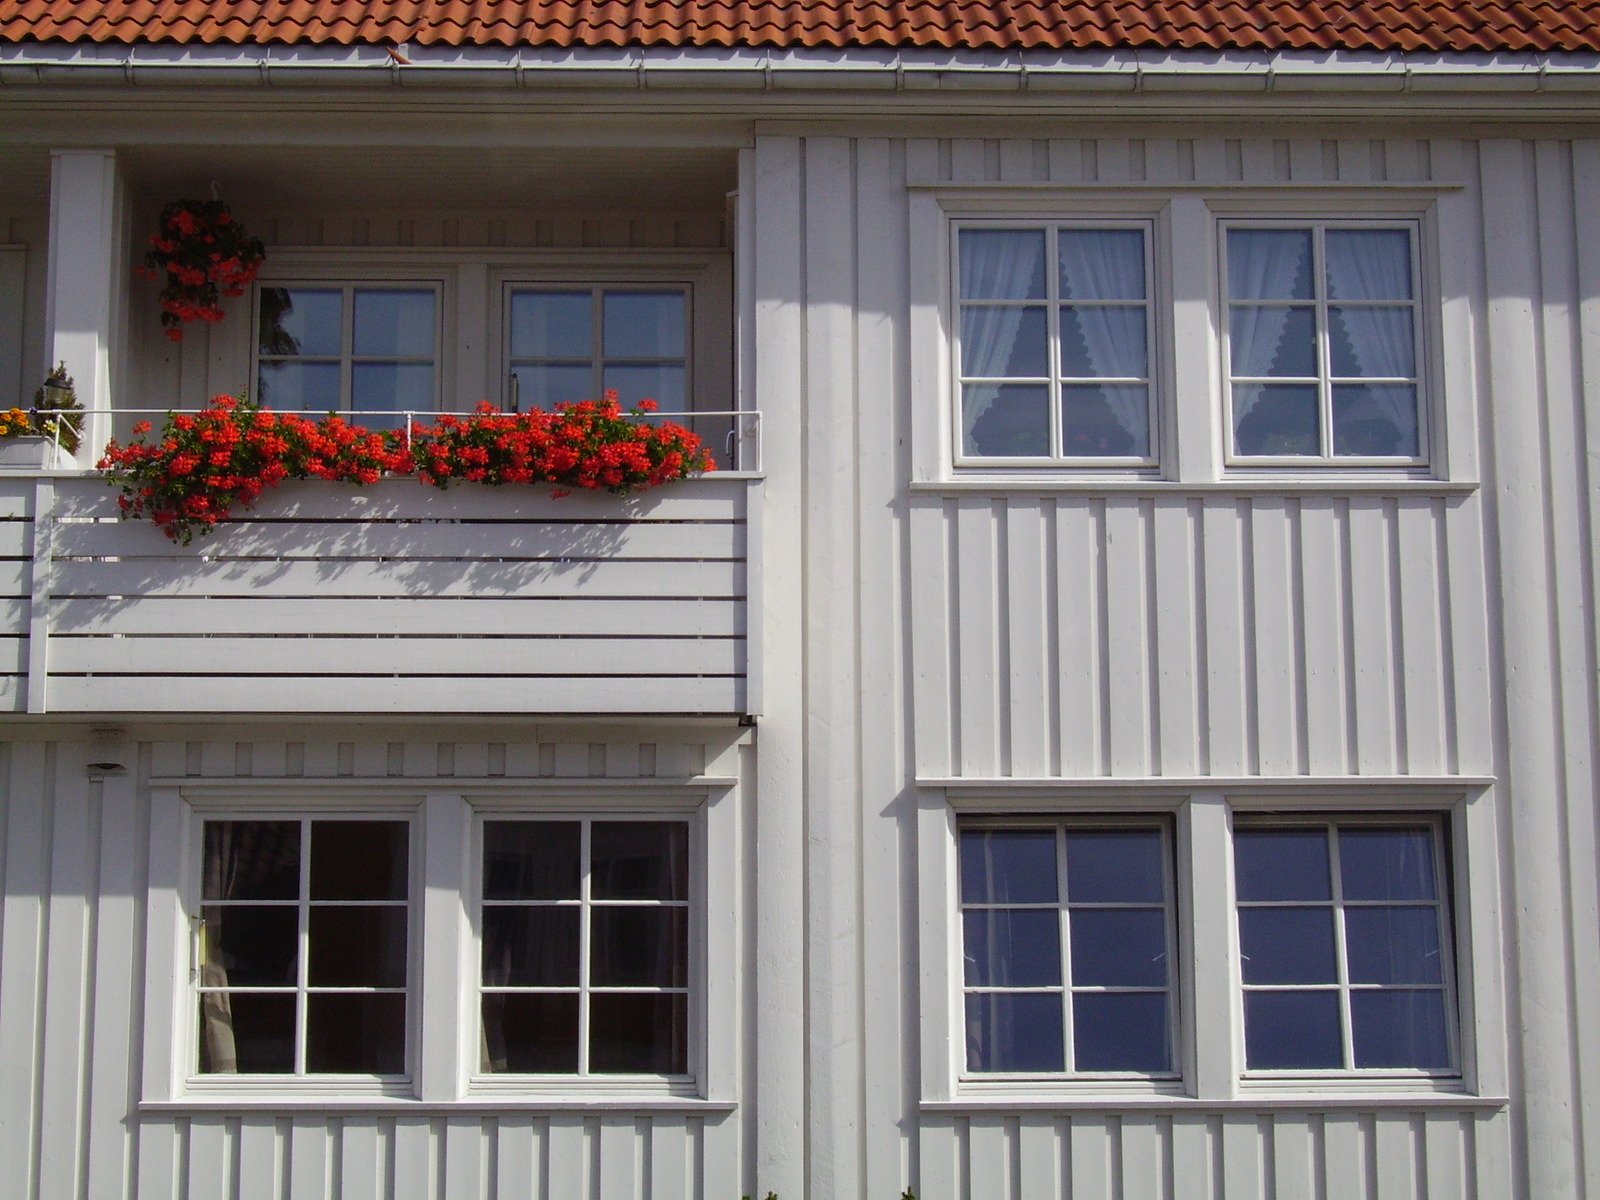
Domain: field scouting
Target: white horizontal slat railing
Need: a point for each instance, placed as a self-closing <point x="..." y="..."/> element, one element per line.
<point x="393" y="598"/>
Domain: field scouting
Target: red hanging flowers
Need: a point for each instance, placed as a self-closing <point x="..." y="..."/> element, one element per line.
<point x="208" y="463"/>
<point x="205" y="254"/>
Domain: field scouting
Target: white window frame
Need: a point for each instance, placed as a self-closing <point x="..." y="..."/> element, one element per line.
<point x="705" y="280"/>
<point x="348" y="285"/>
<point x="1210" y="984"/>
<point x="597" y="291"/>
<point x="1420" y="304"/>
<point x="443" y="1036"/>
<point x="1060" y="824"/>
<point x="502" y="1082"/>
<point x="1443" y="905"/>
<point x="1052" y="304"/>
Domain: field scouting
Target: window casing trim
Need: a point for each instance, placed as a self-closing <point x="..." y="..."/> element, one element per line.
<point x="1421" y="304"/>
<point x="1213" y="1070"/>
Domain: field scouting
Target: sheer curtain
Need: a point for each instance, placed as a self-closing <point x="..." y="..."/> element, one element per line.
<point x="1096" y="264"/>
<point x="1376" y="265"/>
<point x="995" y="265"/>
<point x="1262" y="265"/>
<point x="222" y="870"/>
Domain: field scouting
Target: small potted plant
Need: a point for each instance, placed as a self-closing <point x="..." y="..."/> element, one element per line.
<point x="49" y="435"/>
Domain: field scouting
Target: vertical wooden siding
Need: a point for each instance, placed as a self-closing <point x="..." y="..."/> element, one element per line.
<point x="73" y="867"/>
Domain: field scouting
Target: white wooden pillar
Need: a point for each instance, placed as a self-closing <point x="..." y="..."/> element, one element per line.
<point x="87" y="279"/>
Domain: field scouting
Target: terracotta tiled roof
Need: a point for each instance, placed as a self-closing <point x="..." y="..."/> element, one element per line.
<point x="1380" y="25"/>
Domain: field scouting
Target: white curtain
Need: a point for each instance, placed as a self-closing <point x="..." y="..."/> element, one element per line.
<point x="995" y="265"/>
<point x="1096" y="264"/>
<point x="1376" y="265"/>
<point x="1262" y="265"/>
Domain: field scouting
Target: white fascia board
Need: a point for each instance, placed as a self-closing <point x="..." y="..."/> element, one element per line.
<point x="863" y="69"/>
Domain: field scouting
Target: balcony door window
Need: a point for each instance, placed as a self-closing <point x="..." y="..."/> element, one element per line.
<point x="365" y="349"/>
<point x="576" y="343"/>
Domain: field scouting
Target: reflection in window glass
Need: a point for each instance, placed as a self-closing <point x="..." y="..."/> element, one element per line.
<point x="367" y="350"/>
<point x="304" y="947"/>
<point x="1322" y="342"/>
<point x="584" y="929"/>
<point x="1054" y="364"/>
<point x="1067" y="949"/>
<point x="575" y="343"/>
<point x="1343" y="946"/>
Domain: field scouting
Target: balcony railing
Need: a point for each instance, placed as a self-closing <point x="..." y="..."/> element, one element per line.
<point x="395" y="598"/>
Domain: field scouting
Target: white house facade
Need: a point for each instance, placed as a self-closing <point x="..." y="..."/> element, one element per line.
<point x="1120" y="721"/>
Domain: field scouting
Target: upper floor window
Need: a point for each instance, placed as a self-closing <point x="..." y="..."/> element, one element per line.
<point x="366" y="348"/>
<point x="1345" y="946"/>
<point x="1323" y="342"/>
<point x="1054" y="345"/>
<point x="303" y="957"/>
<point x="1067" y="936"/>
<point x="575" y="343"/>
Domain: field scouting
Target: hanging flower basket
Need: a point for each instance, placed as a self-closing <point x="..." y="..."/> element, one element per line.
<point x="205" y="255"/>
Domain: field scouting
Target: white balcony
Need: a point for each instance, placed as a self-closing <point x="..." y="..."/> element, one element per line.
<point x="395" y="598"/>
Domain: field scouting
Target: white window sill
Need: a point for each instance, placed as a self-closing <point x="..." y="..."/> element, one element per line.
<point x="469" y="1104"/>
<point x="1253" y="1101"/>
<point x="1232" y="485"/>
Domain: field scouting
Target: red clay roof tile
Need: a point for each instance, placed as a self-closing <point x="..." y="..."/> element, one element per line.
<point x="1381" y="25"/>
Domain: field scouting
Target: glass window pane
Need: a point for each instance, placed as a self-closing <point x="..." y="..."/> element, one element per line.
<point x="1005" y="420"/>
<point x="1269" y="264"/>
<point x="1386" y="864"/>
<point x="1002" y="264"/>
<point x="302" y="321"/>
<point x="251" y="860"/>
<point x="1393" y="945"/>
<point x="1400" y="1029"/>
<point x="1008" y="866"/>
<point x="639" y="946"/>
<point x="246" y="1034"/>
<point x="552" y="325"/>
<point x="1005" y="341"/>
<point x="1272" y="341"/>
<point x="1285" y="1031"/>
<point x="1100" y="342"/>
<point x="666" y="384"/>
<point x="644" y="324"/>
<point x="395" y="324"/>
<point x="391" y="387"/>
<point x="1109" y="420"/>
<point x="530" y="1034"/>
<point x="359" y="860"/>
<point x="543" y="386"/>
<point x="1369" y="264"/>
<point x="1016" y="1031"/>
<point x="530" y="946"/>
<point x="1371" y="343"/>
<point x="639" y="860"/>
<point x="1121" y="1032"/>
<point x="1012" y="947"/>
<point x="1287" y="945"/>
<point x="638" y="1035"/>
<point x="531" y="860"/>
<point x="1101" y="264"/>
<point x="357" y="945"/>
<point x="1119" y="947"/>
<point x="1375" y="420"/>
<point x="299" y="387"/>
<point x="1114" y="866"/>
<point x="1281" y="864"/>
<point x="250" y="946"/>
<point x="356" y="1033"/>
<point x="1275" y="419"/>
